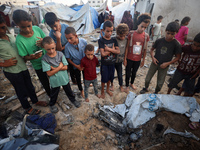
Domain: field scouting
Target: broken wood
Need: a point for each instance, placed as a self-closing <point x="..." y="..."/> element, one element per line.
<point x="19" y="105"/>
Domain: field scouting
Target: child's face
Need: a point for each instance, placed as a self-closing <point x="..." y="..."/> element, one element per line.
<point x="142" y="27"/>
<point x="25" y="27"/>
<point x="159" y="21"/>
<point x="169" y="36"/>
<point x="50" y="48"/>
<point x="121" y="36"/>
<point x="3" y="28"/>
<point x="108" y="31"/>
<point x="195" y="46"/>
<point x="71" y="38"/>
<point x="56" y="26"/>
<point x="89" y="54"/>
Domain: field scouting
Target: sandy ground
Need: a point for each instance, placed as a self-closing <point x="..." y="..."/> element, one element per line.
<point x="85" y="131"/>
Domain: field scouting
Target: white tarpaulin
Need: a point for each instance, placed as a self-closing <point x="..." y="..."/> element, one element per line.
<point x="71" y="17"/>
<point x="143" y="107"/>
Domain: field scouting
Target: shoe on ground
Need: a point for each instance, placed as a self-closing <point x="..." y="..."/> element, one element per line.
<point x="77" y="104"/>
<point x="54" y="109"/>
<point x="144" y="90"/>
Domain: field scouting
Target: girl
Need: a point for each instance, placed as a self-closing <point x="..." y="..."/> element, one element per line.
<point x="28" y="42"/>
<point x="181" y="36"/>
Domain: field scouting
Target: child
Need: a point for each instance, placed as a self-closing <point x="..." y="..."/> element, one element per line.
<point x="55" y="65"/>
<point x="57" y="32"/>
<point x="74" y="52"/>
<point x="122" y="31"/>
<point x="16" y="72"/>
<point x="109" y="48"/>
<point x="181" y="36"/>
<point x="27" y="43"/>
<point x="166" y="48"/>
<point x="89" y="63"/>
<point x="188" y="68"/>
<point x="101" y="27"/>
<point x="156" y="30"/>
<point x="137" y="46"/>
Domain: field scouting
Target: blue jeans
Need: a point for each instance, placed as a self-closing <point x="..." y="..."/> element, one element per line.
<point x="87" y="84"/>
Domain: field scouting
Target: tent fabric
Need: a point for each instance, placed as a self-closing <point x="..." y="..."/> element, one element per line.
<point x="94" y="14"/>
<point x="71" y="17"/>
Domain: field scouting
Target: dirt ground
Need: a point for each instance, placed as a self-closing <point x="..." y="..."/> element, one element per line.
<point x="86" y="132"/>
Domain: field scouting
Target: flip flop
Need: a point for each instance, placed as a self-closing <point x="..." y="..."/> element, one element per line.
<point x="41" y="103"/>
<point x="194" y="125"/>
<point x="32" y="111"/>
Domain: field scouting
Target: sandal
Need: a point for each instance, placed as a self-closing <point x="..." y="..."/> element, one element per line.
<point x="194" y="125"/>
<point x="41" y="103"/>
<point x="32" y="111"/>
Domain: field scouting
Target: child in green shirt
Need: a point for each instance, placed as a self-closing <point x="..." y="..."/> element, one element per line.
<point x="55" y="64"/>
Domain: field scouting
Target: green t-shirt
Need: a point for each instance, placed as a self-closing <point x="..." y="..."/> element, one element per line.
<point x="27" y="46"/>
<point x="9" y="50"/>
<point x="61" y="77"/>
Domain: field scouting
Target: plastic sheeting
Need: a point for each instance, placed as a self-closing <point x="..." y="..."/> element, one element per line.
<point x="71" y="17"/>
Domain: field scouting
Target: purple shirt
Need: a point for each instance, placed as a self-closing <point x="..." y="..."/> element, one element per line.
<point x="181" y="33"/>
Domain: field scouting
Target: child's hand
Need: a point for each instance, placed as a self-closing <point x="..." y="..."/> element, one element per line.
<point x="10" y="62"/>
<point x="155" y="61"/>
<point x="79" y="67"/>
<point x="125" y="62"/>
<point x="38" y="55"/>
<point x="53" y="68"/>
<point x="61" y="65"/>
<point x="164" y="65"/>
<point x="106" y="48"/>
<point x="39" y="42"/>
<point x="57" y="34"/>
<point x="142" y="64"/>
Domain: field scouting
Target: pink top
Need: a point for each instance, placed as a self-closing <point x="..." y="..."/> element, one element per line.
<point x="181" y="33"/>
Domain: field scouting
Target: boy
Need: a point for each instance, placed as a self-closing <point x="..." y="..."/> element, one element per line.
<point x="122" y="31"/>
<point x="89" y="63"/>
<point x="28" y="44"/>
<point x="166" y="48"/>
<point x="101" y="27"/>
<point x="57" y="33"/>
<point x="57" y="29"/>
<point x="55" y="65"/>
<point x="188" y="68"/>
<point x="136" y="52"/>
<point x="16" y="72"/>
<point x="109" y="48"/>
<point x="156" y="30"/>
<point x="74" y="52"/>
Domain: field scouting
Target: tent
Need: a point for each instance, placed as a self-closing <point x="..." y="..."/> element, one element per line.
<point x="84" y="16"/>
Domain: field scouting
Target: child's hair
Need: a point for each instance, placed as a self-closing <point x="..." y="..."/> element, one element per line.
<point x="21" y="15"/>
<point x="146" y="18"/>
<point x="107" y="24"/>
<point x="89" y="47"/>
<point x="172" y="27"/>
<point x="69" y="30"/>
<point x="106" y="17"/>
<point x="176" y="20"/>
<point x="185" y="19"/>
<point x="50" y="18"/>
<point x="197" y="38"/>
<point x="47" y="40"/>
<point x="2" y="19"/>
<point x="122" y="29"/>
<point x="159" y="18"/>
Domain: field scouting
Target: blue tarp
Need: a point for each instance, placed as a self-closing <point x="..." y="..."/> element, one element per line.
<point x="94" y="14"/>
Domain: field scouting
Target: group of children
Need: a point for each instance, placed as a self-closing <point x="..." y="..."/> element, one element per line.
<point x="50" y="57"/>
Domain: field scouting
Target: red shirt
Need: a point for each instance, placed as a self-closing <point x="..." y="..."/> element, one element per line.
<point x="89" y="67"/>
<point x="190" y="61"/>
<point x="137" y="37"/>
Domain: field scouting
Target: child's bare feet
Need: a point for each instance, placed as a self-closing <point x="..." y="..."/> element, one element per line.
<point x="99" y="96"/>
<point x="112" y="88"/>
<point x="121" y="89"/>
<point x="87" y="100"/>
<point x="134" y="87"/>
<point x="102" y="95"/>
<point x="109" y="92"/>
<point x="82" y="94"/>
<point x="127" y="90"/>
